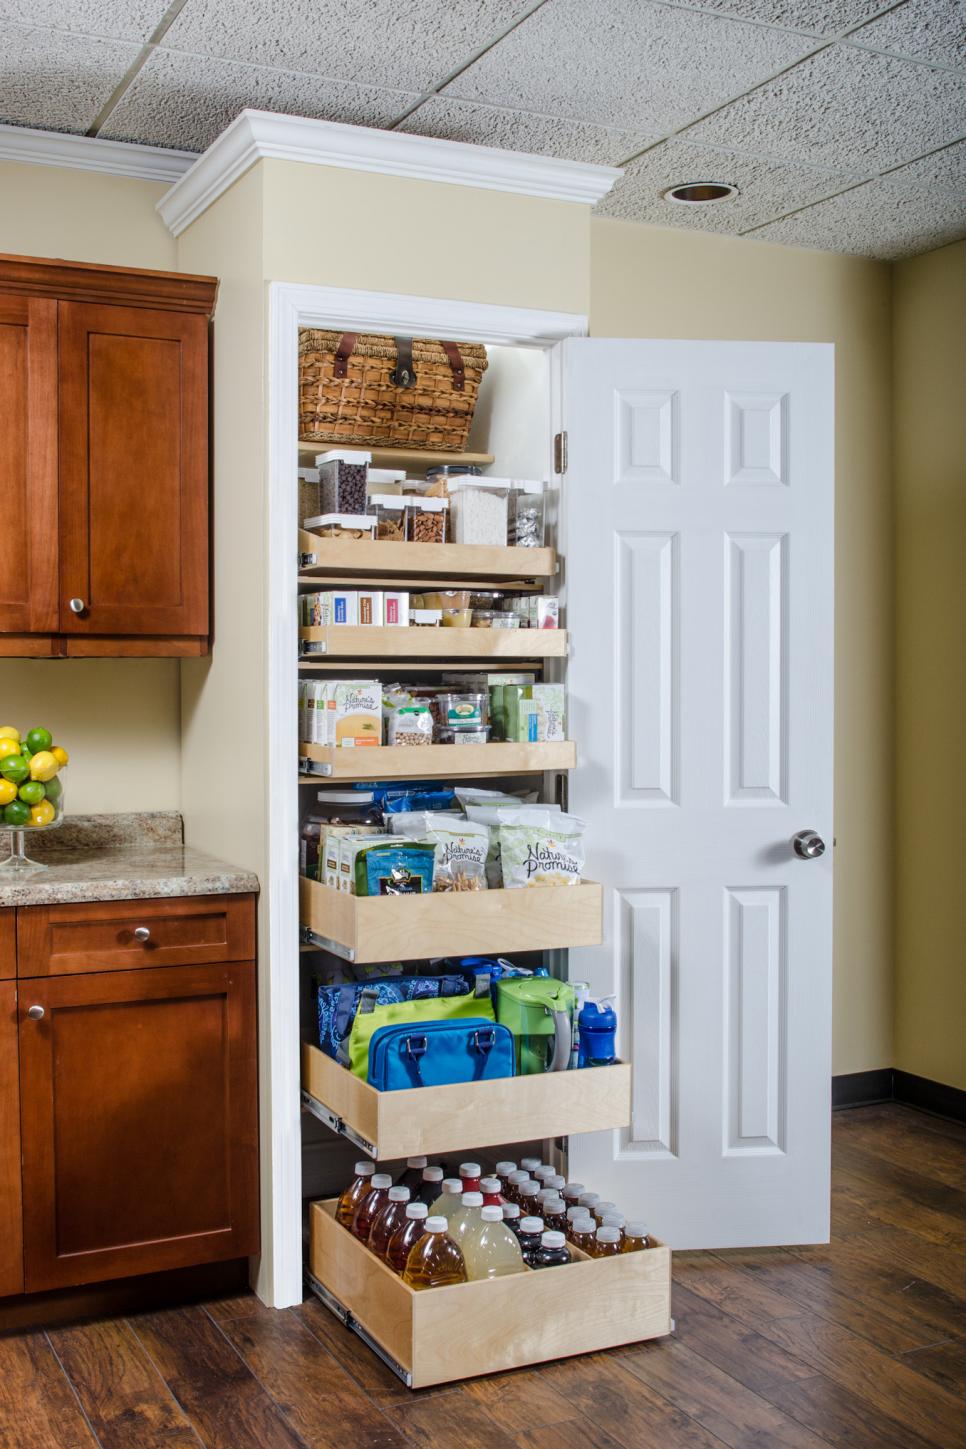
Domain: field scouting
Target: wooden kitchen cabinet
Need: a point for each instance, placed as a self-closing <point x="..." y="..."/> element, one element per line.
<point x="11" y="1230"/>
<point x="104" y="460"/>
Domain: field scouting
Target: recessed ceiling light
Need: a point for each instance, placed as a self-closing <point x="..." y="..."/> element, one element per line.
<point x="699" y="193"/>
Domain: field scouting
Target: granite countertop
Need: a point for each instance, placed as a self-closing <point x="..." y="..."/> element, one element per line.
<point x="118" y="857"/>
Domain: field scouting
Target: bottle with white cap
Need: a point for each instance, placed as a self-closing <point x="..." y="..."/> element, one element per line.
<point x="530" y="1164"/>
<point x="352" y="1196"/>
<point x="407" y="1236"/>
<point x="413" y="1175"/>
<point x="600" y="1208"/>
<point x="607" y="1243"/>
<point x="635" y="1237"/>
<point x="466" y="1216"/>
<point x="371" y="1205"/>
<point x="529" y="1239"/>
<point x="386" y="1222"/>
<point x="489" y="1248"/>
<point x="582" y="1233"/>
<point x="502" y="1171"/>
<point x="434" y="1261"/>
<point x="449" y="1199"/>
<point x="555" y="1214"/>
<point x="553" y="1251"/>
<point x="430" y="1185"/>
<point x="544" y="1171"/>
<point x="470" y="1176"/>
<point x="512" y="1217"/>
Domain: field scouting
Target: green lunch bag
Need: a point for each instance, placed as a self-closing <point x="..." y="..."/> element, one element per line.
<point x="404" y="1013"/>
<point x="539" y="1012"/>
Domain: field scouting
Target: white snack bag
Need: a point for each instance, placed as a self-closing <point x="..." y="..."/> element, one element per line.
<point x="540" y="847"/>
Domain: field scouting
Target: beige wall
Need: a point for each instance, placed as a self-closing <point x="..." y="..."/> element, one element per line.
<point x="647" y="282"/>
<point x="930" y="458"/>
<point x="119" y="718"/>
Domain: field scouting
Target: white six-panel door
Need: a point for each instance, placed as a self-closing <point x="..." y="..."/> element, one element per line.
<point x="697" y="532"/>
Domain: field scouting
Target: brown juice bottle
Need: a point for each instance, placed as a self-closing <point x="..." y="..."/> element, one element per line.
<point x="388" y="1221"/>
<point x="582" y="1234"/>
<point x="371" y="1205"/>
<point x="434" y="1261"/>
<point x="352" y="1196"/>
<point x="635" y="1237"/>
<point x="405" y="1239"/>
<point x="607" y="1243"/>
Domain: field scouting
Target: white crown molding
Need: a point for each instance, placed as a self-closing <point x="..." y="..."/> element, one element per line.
<point x="257" y="135"/>
<point x="90" y="153"/>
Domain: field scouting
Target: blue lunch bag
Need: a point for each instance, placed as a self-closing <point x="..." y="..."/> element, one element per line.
<point x="438" y="1053"/>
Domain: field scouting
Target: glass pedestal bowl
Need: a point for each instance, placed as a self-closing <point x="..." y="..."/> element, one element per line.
<point x="18" y="861"/>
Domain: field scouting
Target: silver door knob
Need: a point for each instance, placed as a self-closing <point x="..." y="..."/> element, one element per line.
<point x="808" y="844"/>
<point x="77" y="606"/>
<point x="142" y="933"/>
<point x="36" y="1013"/>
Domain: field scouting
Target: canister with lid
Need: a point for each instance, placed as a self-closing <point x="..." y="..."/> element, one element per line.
<point x="342" y="480"/>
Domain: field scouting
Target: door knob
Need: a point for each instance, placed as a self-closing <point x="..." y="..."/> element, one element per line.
<point x="77" y="606"/>
<point x="808" y="844"/>
<point x="142" y="933"/>
<point x="36" y="1013"/>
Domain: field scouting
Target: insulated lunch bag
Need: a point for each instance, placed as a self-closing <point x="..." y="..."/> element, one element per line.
<point x="413" y="1014"/>
<point x="338" y="1005"/>
<point x="437" y="1053"/>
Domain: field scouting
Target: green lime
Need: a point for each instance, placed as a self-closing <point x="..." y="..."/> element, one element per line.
<point x="26" y="751"/>
<point x="39" y="740"/>
<point x="32" y="792"/>
<point x="53" y="789"/>
<point x="14" y="768"/>
<point x="16" y="814"/>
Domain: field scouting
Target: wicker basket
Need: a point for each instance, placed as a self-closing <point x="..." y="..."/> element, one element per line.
<point x="385" y="392"/>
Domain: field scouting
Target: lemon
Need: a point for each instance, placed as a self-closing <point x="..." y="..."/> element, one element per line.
<point x="41" y="814"/>
<point x="7" y="732"/>
<point x="60" y="755"/>
<point x="43" y="766"/>
<point x="8" y="792"/>
<point x="9" y="747"/>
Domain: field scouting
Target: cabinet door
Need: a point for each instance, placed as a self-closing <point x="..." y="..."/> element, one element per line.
<point x="133" y="471"/>
<point x="28" y="465"/>
<point x="11" y="1238"/>
<point x="139" y="1122"/>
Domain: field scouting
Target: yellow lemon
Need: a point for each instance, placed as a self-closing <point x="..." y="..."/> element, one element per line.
<point x="41" y="814"/>
<point x="8" y="747"/>
<point x="60" y="755"/>
<point x="7" y="732"/>
<point x="43" y="766"/>
<point x="8" y="792"/>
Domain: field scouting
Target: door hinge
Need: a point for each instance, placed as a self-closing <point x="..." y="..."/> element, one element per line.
<point x="560" y="453"/>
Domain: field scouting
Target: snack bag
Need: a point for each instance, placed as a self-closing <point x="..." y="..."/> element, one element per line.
<point x="540" y="847"/>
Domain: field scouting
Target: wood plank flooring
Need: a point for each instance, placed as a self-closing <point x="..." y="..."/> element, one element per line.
<point x="859" y="1344"/>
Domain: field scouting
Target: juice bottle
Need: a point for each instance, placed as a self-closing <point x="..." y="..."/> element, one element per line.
<point x="490" y="1188"/>
<point x="556" y="1182"/>
<point x="607" y="1243"/>
<point x="466" y="1216"/>
<point x="470" y="1176"/>
<point x="552" y="1253"/>
<point x="502" y="1171"/>
<point x="512" y="1218"/>
<point x="430" y="1185"/>
<point x="541" y="1173"/>
<point x="571" y="1191"/>
<point x="448" y="1200"/>
<point x="490" y="1250"/>
<point x="434" y="1261"/>
<point x="635" y="1237"/>
<point x="530" y="1233"/>
<point x="413" y="1175"/>
<point x="371" y="1205"/>
<point x="352" y="1196"/>
<point x="555" y="1215"/>
<point x="407" y="1236"/>
<point x="582" y="1233"/>
<point x="530" y="1164"/>
<point x="388" y="1221"/>
<point x="576" y="1212"/>
<point x="600" y="1209"/>
<point x="614" y="1220"/>
<point x="513" y="1184"/>
<point x="527" y="1197"/>
<point x="589" y="1200"/>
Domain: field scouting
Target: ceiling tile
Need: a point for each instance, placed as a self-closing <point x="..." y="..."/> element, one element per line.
<point x="523" y="131"/>
<point x="845" y="109"/>
<point x="624" y="63"/>
<point x="881" y="219"/>
<point x="407" y="43"/>
<point x="765" y="188"/>
<point x="817" y="17"/>
<point x="944" y="172"/>
<point x="926" y="29"/>
<point x="134" y="20"/>
<point x="55" y="81"/>
<point x="187" y="101"/>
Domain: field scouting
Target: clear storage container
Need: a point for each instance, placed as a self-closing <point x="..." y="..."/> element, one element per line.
<point x="527" y="516"/>
<point x="478" y="511"/>
<point x="390" y="514"/>
<point x="427" y="520"/>
<point x="342" y="525"/>
<point x="342" y="480"/>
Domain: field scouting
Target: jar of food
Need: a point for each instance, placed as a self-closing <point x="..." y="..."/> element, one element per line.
<point x="505" y="619"/>
<point x="461" y="711"/>
<point x="483" y="618"/>
<point x="309" y="501"/>
<point x="342" y="480"/>
<point x="447" y="599"/>
<point x="526" y="526"/>
<point x="457" y="618"/>
<point x="437" y="479"/>
<point x="478" y="511"/>
<point x="342" y="525"/>
<point x="479" y="735"/>
<point x="427" y="520"/>
<point x="390" y="514"/>
<point x="310" y="843"/>
<point x="348" y="807"/>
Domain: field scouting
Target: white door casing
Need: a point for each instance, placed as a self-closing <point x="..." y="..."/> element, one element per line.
<point x="698" y="546"/>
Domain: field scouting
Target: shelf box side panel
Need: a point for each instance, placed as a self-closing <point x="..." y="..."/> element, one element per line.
<point x="397" y="762"/>
<point x="372" y="1292"/>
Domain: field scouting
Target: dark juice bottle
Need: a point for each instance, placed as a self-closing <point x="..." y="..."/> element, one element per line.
<point x="513" y="1184"/>
<point x="529" y="1237"/>
<point x="352" y="1196"/>
<point x="552" y="1252"/>
<point x="492" y="1195"/>
<point x="571" y="1192"/>
<point x="430" y="1186"/>
<point x="371" y="1205"/>
<point x="555" y="1215"/>
<point x="406" y="1237"/>
<point x="582" y="1234"/>
<point x="434" y="1261"/>
<point x="388" y="1221"/>
<point x="512" y="1217"/>
<point x="413" y="1175"/>
<point x="527" y="1197"/>
<point x="502" y="1171"/>
<point x="470" y="1176"/>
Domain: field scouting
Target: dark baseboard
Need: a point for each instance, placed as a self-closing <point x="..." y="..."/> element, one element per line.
<point x="888" y="1084"/>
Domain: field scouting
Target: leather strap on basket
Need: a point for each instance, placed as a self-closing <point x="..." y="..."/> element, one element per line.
<point x="404" y="374"/>
<point x="347" y="342"/>
<point x="456" y="363"/>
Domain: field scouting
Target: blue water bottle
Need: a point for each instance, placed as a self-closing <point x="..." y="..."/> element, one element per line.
<point x="597" y="1025"/>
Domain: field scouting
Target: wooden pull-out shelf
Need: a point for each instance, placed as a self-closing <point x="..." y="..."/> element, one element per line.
<point x="465" y="1115"/>
<point x="451" y="923"/>
<point x="352" y="556"/>
<point x="439" y="762"/>
<point x="390" y="642"/>
<point x="444" y="1334"/>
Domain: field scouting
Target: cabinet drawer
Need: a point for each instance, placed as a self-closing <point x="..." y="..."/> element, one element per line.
<point x="102" y="935"/>
<point x="444" y="1334"/>
<point x="8" y="945"/>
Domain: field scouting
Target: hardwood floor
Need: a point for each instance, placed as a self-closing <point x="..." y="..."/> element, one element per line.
<point x="860" y="1344"/>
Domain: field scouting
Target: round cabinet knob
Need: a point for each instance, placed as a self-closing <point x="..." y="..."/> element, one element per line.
<point x="808" y="844"/>
<point x="142" y="933"/>
<point x="77" y="606"/>
<point x="36" y="1013"/>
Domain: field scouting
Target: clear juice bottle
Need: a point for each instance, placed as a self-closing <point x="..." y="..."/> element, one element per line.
<point x="388" y="1221"/>
<point x="553" y="1251"/>
<point x="470" y="1176"/>
<point x="531" y="1230"/>
<point x="352" y="1195"/>
<point x="607" y="1243"/>
<point x="492" y="1195"/>
<point x="512" y="1217"/>
<point x="434" y="1260"/>
<point x="489" y="1249"/>
<point x="413" y="1175"/>
<point x="513" y="1184"/>
<point x="407" y="1236"/>
<point x="582" y="1234"/>
<point x="371" y="1205"/>
<point x="430" y="1185"/>
<point x="449" y="1199"/>
<point x="502" y="1171"/>
<point x="636" y="1237"/>
<point x="466" y="1216"/>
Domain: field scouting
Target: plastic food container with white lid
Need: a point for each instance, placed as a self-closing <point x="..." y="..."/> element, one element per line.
<point x="389" y="511"/>
<point x="427" y="520"/>
<point x="478" y="511"/>
<point x="342" y="525"/>
<point x="342" y="480"/>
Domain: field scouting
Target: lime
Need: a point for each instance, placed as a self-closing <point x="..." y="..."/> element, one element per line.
<point x="16" y="814"/>
<point x="8" y="792"/>
<point x="43" y="766"/>
<point x="7" y="732"/>
<point x="25" y="750"/>
<point x="42" y="814"/>
<point x="32" y="792"/>
<point x="14" y="768"/>
<point x="54" y="789"/>
<point x="39" y="739"/>
<point x="8" y="747"/>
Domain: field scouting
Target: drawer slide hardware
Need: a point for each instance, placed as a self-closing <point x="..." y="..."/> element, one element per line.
<point x="336" y="1124"/>
<point x="342" y="1313"/>
<point x="325" y="943"/>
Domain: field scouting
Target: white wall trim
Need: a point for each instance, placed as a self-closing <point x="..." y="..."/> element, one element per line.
<point x="291" y="306"/>
<point x="257" y="135"/>
<point x="90" y="153"/>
